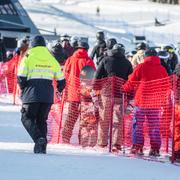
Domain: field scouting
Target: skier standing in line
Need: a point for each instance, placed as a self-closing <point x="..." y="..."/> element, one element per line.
<point x="149" y="70"/>
<point x="98" y="50"/>
<point x="114" y="64"/>
<point x="173" y="58"/>
<point x="72" y="70"/>
<point x="138" y="58"/>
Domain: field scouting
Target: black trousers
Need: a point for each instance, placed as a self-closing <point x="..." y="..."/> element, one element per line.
<point x="33" y="117"/>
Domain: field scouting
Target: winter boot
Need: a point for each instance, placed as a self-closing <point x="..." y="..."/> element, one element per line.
<point x="154" y="152"/>
<point x="40" y="146"/>
<point x="116" y="148"/>
<point x="136" y="149"/>
<point x="177" y="156"/>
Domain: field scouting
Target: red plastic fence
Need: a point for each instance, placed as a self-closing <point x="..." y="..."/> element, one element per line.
<point x="152" y="114"/>
<point x="101" y="113"/>
<point x="176" y="124"/>
<point x="8" y="78"/>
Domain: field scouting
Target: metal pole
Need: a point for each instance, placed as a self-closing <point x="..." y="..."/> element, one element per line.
<point x="167" y="131"/>
<point x="111" y="121"/>
<point x="173" y="118"/>
<point x="6" y="83"/>
<point x="123" y="123"/>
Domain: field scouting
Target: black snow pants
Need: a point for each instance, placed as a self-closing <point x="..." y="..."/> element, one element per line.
<point x="33" y="117"/>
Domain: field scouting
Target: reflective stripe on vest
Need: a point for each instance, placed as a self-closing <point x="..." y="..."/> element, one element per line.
<point x="61" y="78"/>
<point x="40" y="73"/>
<point x="59" y="75"/>
<point x="22" y="71"/>
<point x="41" y="70"/>
<point x="39" y="77"/>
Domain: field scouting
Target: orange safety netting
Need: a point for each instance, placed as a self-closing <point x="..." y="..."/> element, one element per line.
<point x="8" y="77"/>
<point x="99" y="112"/>
<point x="177" y="118"/>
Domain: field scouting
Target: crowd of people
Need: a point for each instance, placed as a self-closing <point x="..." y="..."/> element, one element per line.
<point x="38" y="66"/>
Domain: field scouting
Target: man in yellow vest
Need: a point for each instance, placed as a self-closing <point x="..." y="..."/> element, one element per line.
<point x="35" y="75"/>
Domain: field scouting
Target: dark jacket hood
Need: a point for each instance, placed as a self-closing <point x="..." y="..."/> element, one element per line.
<point x="38" y="41"/>
<point x="114" y="53"/>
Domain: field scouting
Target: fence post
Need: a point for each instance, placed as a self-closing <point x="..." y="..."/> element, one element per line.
<point x="173" y="118"/>
<point x="14" y="93"/>
<point x="111" y="121"/>
<point x="6" y="84"/>
<point x="123" y="123"/>
<point x="15" y="86"/>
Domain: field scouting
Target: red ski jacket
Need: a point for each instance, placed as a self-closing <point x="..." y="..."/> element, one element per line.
<point x="72" y="70"/>
<point x="148" y="80"/>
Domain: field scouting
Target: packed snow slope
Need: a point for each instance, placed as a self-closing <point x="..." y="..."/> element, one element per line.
<point x="118" y="18"/>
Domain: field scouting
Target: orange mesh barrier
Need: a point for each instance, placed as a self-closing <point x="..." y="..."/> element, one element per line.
<point x="8" y="78"/>
<point x="3" y="81"/>
<point x="176" y="124"/>
<point x="54" y="123"/>
<point x="55" y="117"/>
<point x="152" y="115"/>
<point x="116" y="118"/>
<point x="177" y="129"/>
<point x="99" y="112"/>
<point x="71" y="111"/>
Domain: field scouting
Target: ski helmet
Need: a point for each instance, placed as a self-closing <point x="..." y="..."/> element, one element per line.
<point x="82" y="44"/>
<point x="100" y="35"/>
<point x="141" y="46"/>
<point x="65" y="37"/>
<point x="169" y="48"/>
<point x="150" y="52"/>
<point x="74" y="41"/>
<point x="110" y="43"/>
<point x="120" y="48"/>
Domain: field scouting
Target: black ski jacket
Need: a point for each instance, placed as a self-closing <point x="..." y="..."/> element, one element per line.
<point x="114" y="64"/>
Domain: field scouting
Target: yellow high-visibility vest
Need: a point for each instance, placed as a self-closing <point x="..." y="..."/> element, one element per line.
<point x="40" y="64"/>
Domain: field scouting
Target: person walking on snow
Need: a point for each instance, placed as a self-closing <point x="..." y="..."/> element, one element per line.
<point x="35" y="75"/>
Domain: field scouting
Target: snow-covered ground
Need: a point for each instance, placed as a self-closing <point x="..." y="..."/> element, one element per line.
<point x="78" y="17"/>
<point x="119" y="18"/>
<point x="17" y="162"/>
